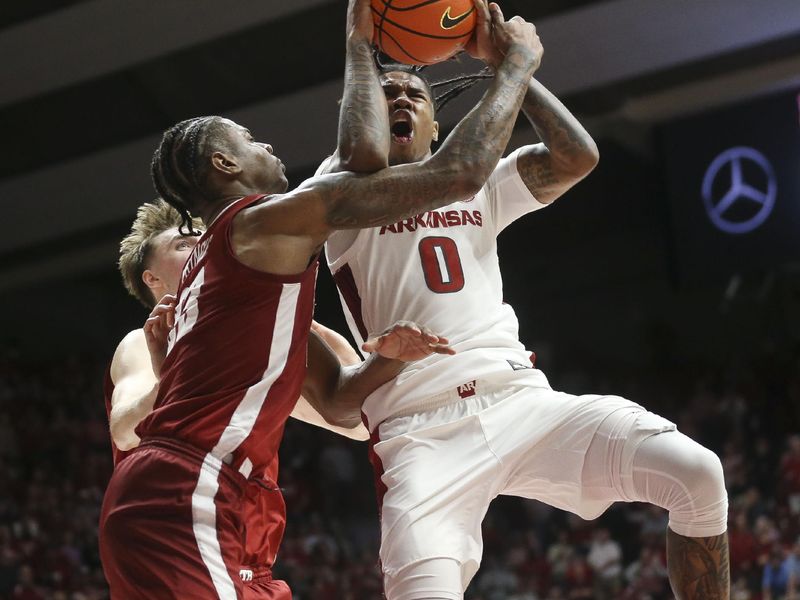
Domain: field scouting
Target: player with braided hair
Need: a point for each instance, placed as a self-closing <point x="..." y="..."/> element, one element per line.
<point x="453" y="432"/>
<point x="237" y="352"/>
<point x="151" y="258"/>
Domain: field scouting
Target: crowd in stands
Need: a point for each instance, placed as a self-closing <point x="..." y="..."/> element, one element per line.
<point x="55" y="461"/>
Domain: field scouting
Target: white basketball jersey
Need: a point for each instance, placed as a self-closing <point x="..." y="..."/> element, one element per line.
<point x="439" y="269"/>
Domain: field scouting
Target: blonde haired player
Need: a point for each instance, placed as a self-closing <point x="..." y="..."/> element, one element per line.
<point x="452" y="433"/>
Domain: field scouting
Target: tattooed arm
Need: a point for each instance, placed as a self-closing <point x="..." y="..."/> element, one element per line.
<point x="280" y="235"/>
<point x="364" y="140"/>
<point x="457" y="171"/>
<point x="699" y="568"/>
<point x="336" y="392"/>
<point x="567" y="153"/>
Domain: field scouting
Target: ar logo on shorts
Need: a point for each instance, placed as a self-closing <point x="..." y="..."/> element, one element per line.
<point x="467" y="390"/>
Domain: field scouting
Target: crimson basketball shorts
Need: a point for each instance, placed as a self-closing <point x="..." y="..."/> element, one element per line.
<point x="439" y="470"/>
<point x="171" y="526"/>
<point x="264" y="587"/>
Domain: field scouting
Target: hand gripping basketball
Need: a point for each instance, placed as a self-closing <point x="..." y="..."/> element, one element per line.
<point x="514" y="32"/>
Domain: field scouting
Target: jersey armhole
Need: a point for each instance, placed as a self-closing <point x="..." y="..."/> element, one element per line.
<point x="337" y="262"/>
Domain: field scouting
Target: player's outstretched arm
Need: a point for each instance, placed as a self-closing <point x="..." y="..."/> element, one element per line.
<point x="364" y="138"/>
<point x="304" y="411"/>
<point x="292" y="227"/>
<point x="456" y="172"/>
<point x="135" y="388"/>
<point x="337" y="392"/>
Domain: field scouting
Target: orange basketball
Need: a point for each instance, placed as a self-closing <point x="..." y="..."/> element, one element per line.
<point x="422" y="32"/>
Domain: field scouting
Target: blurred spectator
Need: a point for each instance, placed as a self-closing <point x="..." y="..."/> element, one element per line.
<point x="647" y="577"/>
<point x="777" y="575"/>
<point x="742" y="544"/>
<point x="559" y="554"/>
<point x="54" y="462"/>
<point x="790" y="474"/>
<point x="605" y="558"/>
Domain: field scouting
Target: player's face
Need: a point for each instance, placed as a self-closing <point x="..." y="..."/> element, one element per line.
<point x="411" y="117"/>
<point x="169" y="252"/>
<point x="260" y="167"/>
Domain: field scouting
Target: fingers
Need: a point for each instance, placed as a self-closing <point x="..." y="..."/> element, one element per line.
<point x="482" y="13"/>
<point x="165" y="312"/>
<point x="497" y="14"/>
<point x="406" y="328"/>
<point x="371" y="345"/>
<point x="161" y="318"/>
<point x="442" y="349"/>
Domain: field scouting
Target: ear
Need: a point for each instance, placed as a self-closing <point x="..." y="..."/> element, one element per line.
<point x="150" y="279"/>
<point x="225" y="163"/>
<point x="436" y="131"/>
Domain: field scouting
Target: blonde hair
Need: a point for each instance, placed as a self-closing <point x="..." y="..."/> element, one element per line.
<point x="152" y="219"/>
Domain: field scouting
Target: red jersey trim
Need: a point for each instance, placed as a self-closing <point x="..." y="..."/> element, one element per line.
<point x="347" y="286"/>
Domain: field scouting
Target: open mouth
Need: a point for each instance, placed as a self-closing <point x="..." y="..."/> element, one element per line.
<point x="402" y="133"/>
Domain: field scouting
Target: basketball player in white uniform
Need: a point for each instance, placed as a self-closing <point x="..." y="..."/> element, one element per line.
<point x="452" y="433"/>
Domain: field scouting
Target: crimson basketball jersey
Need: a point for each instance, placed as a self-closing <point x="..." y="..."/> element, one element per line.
<point x="236" y="357"/>
<point x="439" y="269"/>
<point x="108" y="391"/>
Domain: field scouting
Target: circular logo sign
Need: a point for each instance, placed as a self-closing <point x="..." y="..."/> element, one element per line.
<point x="733" y="204"/>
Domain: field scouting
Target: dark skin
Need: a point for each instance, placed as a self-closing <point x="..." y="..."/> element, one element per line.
<point x="285" y="232"/>
<point x="698" y="567"/>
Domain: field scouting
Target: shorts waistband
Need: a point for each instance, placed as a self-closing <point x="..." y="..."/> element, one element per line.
<point x="469" y="389"/>
<point x="181" y="448"/>
<point x="262" y="574"/>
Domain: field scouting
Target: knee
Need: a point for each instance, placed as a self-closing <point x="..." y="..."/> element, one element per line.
<point x="703" y="470"/>
<point x="692" y="485"/>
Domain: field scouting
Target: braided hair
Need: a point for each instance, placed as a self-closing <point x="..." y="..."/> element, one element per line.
<point x="450" y="88"/>
<point x="456" y="86"/>
<point x="179" y="167"/>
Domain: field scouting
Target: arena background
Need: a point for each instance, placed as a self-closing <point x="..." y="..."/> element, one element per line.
<point x="637" y="282"/>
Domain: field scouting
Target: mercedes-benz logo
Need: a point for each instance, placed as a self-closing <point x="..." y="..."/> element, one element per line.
<point x="739" y="191"/>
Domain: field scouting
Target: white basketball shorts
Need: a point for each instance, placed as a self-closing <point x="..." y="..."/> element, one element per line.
<point x="443" y="467"/>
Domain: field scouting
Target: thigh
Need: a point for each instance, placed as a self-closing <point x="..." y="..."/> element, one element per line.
<point x="156" y="532"/>
<point x="434" y="579"/>
<point x="439" y="482"/>
<point x="545" y="437"/>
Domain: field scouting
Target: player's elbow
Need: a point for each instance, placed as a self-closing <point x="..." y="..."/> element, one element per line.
<point x="466" y="180"/>
<point x="584" y="162"/>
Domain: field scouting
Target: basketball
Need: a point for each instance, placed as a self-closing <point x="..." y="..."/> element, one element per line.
<point x="422" y="32"/>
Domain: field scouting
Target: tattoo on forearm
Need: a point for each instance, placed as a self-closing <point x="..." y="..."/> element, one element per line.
<point x="699" y="568"/>
<point x="467" y="158"/>
<point x="363" y="118"/>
